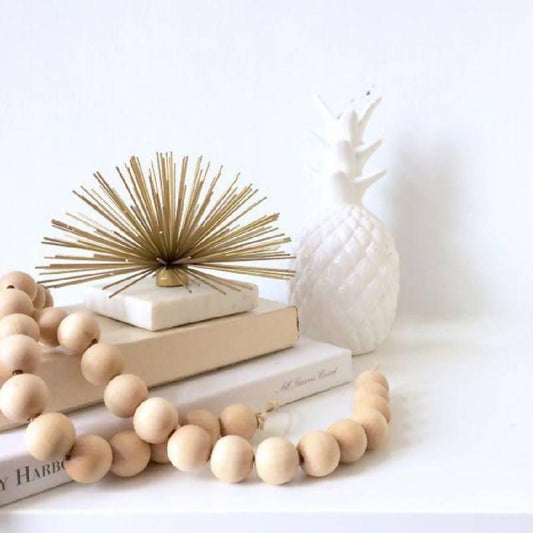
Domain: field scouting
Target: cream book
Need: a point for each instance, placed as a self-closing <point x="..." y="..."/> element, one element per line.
<point x="286" y="376"/>
<point x="164" y="356"/>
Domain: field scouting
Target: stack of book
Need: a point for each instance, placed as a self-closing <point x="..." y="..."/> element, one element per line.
<point x="250" y="357"/>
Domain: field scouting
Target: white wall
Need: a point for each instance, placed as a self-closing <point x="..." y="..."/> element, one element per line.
<point x="86" y="84"/>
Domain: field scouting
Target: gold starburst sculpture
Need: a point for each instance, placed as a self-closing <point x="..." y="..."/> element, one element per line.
<point x="181" y="231"/>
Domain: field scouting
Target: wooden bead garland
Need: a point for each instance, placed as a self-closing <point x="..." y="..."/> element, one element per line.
<point x="156" y="433"/>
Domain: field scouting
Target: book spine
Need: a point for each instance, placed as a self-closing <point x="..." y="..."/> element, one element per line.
<point x="22" y="476"/>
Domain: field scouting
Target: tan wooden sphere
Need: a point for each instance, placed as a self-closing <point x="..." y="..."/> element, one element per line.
<point x="89" y="460"/>
<point x="276" y="461"/>
<point x="18" y="323"/>
<point x="205" y="419"/>
<point x="372" y="375"/>
<point x="374" y="401"/>
<point x="124" y="393"/>
<point x="375" y="426"/>
<point x="159" y="452"/>
<point x="372" y="387"/>
<point x="50" y="436"/>
<point x="238" y="419"/>
<point x="48" y="320"/>
<point x="49" y="299"/>
<point x="78" y="331"/>
<point x="40" y="298"/>
<point x="189" y="448"/>
<point x="19" y="353"/>
<point x="351" y="438"/>
<point x="101" y="363"/>
<point x="155" y="419"/>
<point x="131" y="454"/>
<point x="21" y="281"/>
<point x="14" y="301"/>
<point x="23" y="396"/>
<point x="320" y="453"/>
<point x="232" y="459"/>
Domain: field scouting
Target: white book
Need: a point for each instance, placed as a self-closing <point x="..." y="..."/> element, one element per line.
<point x="285" y="376"/>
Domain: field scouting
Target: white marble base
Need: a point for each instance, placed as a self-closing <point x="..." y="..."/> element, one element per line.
<point x="150" y="307"/>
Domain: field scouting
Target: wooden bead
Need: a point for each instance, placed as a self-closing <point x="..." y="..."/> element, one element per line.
<point x="77" y="332"/>
<point x="238" y="419"/>
<point x="372" y="375"/>
<point x="19" y="324"/>
<point x="372" y="387"/>
<point x="362" y="401"/>
<point x="205" y="419"/>
<point x="49" y="299"/>
<point x="21" y="281"/>
<point x="232" y="459"/>
<point x="50" y="436"/>
<point x="189" y="448"/>
<point x="351" y="438"/>
<point x="19" y="353"/>
<point x="276" y="461"/>
<point x="155" y="419"/>
<point x="131" y="455"/>
<point x="159" y="452"/>
<point x="14" y="301"/>
<point x="101" y="362"/>
<point x="124" y="394"/>
<point x="89" y="460"/>
<point x="23" y="396"/>
<point x="40" y="297"/>
<point x="48" y="320"/>
<point x="375" y="426"/>
<point x="320" y="453"/>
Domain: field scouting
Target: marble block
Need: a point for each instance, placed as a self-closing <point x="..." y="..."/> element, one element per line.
<point x="150" y="307"/>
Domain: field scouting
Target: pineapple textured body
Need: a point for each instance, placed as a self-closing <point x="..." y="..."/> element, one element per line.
<point x="346" y="289"/>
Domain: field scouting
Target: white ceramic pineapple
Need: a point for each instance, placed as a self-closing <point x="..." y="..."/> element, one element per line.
<point x="347" y="273"/>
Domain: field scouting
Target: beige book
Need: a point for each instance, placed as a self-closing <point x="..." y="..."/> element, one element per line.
<point x="163" y="356"/>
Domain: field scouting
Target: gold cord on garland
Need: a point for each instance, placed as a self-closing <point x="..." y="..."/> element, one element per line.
<point x="181" y="233"/>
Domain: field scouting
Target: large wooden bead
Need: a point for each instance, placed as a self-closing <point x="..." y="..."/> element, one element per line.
<point x="14" y="301"/>
<point x="40" y="298"/>
<point x="372" y="387"/>
<point x="89" y="460"/>
<point x="19" y="353"/>
<point x="159" y="452"/>
<point x="372" y="375"/>
<point x="155" y="419"/>
<point x="77" y="332"/>
<point x="351" y="438"/>
<point x="205" y="419"/>
<point x="48" y="320"/>
<point x="276" y="461"/>
<point x="21" y="281"/>
<point x="238" y="419"/>
<point x="375" y="426"/>
<point x="320" y="453"/>
<point x="101" y="362"/>
<point x="23" y="396"/>
<point x="124" y="394"/>
<point x="362" y="401"/>
<point x="50" y="436"/>
<point x="189" y="448"/>
<point x="131" y="454"/>
<point x="19" y="324"/>
<point x="232" y="459"/>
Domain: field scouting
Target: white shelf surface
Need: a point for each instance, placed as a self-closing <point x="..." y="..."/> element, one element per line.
<point x="461" y="437"/>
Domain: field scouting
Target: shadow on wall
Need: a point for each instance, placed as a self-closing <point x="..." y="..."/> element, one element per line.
<point x="428" y="221"/>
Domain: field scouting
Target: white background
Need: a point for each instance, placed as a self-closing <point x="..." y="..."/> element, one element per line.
<point x="84" y="85"/>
